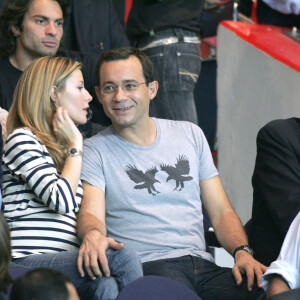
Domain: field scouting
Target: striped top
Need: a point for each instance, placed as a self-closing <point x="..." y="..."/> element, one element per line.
<point x="39" y="205"/>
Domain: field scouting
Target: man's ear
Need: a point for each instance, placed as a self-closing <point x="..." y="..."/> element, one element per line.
<point x="153" y="88"/>
<point x="54" y="95"/>
<point x="15" y="30"/>
<point x="98" y="93"/>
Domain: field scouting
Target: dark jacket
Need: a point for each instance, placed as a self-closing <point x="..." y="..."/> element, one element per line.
<point x="276" y="186"/>
<point x="92" y="26"/>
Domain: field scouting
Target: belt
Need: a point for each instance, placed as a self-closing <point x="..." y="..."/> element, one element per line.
<point x="171" y="40"/>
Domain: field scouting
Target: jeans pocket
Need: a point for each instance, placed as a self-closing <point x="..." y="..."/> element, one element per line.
<point x="157" y="58"/>
<point x="176" y="66"/>
<point x="187" y="71"/>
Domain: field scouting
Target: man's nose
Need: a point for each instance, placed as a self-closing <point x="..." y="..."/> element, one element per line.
<point x="119" y="93"/>
<point x="51" y="29"/>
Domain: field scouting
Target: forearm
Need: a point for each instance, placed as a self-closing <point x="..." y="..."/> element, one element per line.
<point x="227" y="225"/>
<point x="277" y="285"/>
<point x="71" y="171"/>
<point x="68" y="134"/>
<point x="87" y="222"/>
<point x="229" y="231"/>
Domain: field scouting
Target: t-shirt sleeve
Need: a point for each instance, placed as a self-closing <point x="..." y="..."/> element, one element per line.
<point x="92" y="166"/>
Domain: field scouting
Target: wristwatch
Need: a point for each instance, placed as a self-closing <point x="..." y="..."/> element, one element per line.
<point x="73" y="152"/>
<point x="243" y="247"/>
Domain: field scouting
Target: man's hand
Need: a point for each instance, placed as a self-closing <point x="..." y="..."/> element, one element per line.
<point x="246" y="264"/>
<point x="92" y="251"/>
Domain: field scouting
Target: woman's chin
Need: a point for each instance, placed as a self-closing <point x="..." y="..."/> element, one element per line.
<point x="80" y="122"/>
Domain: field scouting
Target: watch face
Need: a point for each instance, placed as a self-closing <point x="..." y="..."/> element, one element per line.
<point x="73" y="151"/>
<point x="249" y="250"/>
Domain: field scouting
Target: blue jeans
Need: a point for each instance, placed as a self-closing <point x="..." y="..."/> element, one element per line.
<point x="177" y="67"/>
<point x="208" y="280"/>
<point x="124" y="266"/>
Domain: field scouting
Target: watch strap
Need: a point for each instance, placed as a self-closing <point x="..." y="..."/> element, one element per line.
<point x="243" y="247"/>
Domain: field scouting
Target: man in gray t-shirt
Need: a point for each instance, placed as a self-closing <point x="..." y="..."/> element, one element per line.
<point x="142" y="180"/>
<point x="158" y="183"/>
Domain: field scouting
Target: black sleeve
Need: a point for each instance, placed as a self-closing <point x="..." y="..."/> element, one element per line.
<point x="117" y="32"/>
<point x="276" y="178"/>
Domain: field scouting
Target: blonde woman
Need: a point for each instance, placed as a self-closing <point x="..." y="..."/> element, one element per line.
<point x="41" y="189"/>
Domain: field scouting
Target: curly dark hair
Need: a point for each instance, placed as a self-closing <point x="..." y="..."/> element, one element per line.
<point x="12" y="15"/>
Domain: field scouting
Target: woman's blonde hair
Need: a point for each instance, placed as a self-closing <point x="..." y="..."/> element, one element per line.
<point x="32" y="106"/>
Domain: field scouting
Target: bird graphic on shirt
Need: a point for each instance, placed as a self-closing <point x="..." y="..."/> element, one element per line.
<point x="177" y="173"/>
<point x="146" y="180"/>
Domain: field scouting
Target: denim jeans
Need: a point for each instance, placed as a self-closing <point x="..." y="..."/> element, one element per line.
<point x="124" y="266"/>
<point x="177" y="67"/>
<point x="208" y="280"/>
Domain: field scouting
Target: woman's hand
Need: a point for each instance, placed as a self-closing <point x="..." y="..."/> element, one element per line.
<point x="65" y="129"/>
<point x="67" y="132"/>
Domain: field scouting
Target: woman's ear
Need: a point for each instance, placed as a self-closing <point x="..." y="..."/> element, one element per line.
<point x="54" y="95"/>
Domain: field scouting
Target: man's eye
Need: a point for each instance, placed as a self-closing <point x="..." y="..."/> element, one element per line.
<point x="130" y="86"/>
<point x="40" y="21"/>
<point x="59" y="23"/>
<point x="108" y="88"/>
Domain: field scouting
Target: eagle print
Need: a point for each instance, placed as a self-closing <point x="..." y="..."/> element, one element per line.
<point x="179" y="172"/>
<point x="144" y="180"/>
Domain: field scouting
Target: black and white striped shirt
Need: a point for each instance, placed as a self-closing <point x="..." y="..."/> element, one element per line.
<point x="39" y="205"/>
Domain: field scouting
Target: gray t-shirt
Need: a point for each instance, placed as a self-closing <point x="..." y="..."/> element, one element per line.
<point x="152" y="193"/>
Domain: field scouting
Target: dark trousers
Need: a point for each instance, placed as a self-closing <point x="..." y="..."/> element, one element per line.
<point x="289" y="295"/>
<point x="208" y="280"/>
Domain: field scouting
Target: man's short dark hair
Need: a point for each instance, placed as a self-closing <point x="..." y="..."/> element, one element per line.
<point x="12" y="14"/>
<point x="124" y="53"/>
<point x="41" y="284"/>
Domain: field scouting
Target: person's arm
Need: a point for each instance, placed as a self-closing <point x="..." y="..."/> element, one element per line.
<point x="276" y="177"/>
<point x="92" y="231"/>
<point x="277" y="285"/>
<point x="284" y="273"/>
<point x="229" y="230"/>
<point x="25" y="158"/>
<point x="68" y="133"/>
